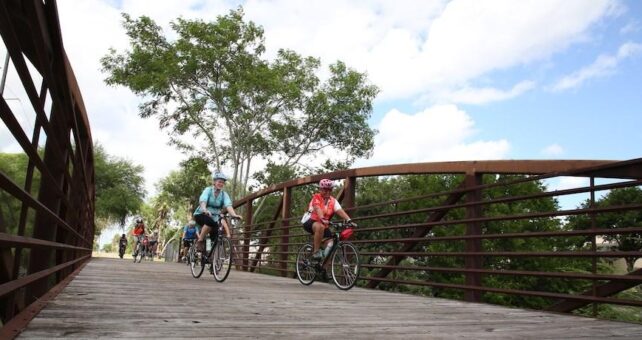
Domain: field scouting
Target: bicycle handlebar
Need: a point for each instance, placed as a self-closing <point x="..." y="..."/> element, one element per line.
<point x="343" y="224"/>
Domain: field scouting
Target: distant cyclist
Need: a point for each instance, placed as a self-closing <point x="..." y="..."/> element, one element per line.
<point x="139" y="233"/>
<point x="190" y="234"/>
<point x="323" y="206"/>
<point x="122" y="245"/>
<point x="211" y="202"/>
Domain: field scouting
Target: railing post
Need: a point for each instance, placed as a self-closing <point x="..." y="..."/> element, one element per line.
<point x="285" y="231"/>
<point x="473" y="245"/>
<point x="593" y="243"/>
<point x="248" y="235"/>
<point x="349" y="192"/>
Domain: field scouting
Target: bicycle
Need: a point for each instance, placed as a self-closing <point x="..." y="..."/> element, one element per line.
<point x="191" y="253"/>
<point x="121" y="250"/>
<point x="343" y="255"/>
<point x="219" y="258"/>
<point x="139" y="251"/>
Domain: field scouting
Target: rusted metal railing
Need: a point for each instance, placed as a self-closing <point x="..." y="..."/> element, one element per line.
<point x="46" y="218"/>
<point x="488" y="238"/>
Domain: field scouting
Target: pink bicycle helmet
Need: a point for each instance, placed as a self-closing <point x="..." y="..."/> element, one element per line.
<point x="326" y="184"/>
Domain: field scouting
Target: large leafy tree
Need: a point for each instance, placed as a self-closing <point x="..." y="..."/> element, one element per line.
<point x="119" y="188"/>
<point x="221" y="100"/>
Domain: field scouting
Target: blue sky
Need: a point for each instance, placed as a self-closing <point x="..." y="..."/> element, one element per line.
<point x="460" y="80"/>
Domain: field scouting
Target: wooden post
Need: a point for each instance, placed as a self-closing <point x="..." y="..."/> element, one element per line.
<point x="349" y="192"/>
<point x="248" y="235"/>
<point x="473" y="245"/>
<point x="285" y="232"/>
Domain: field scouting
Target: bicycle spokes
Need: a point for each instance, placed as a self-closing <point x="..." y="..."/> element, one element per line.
<point x="345" y="266"/>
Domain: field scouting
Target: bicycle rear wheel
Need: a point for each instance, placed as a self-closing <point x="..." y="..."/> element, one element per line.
<point x="305" y="271"/>
<point x="345" y="266"/>
<point x="222" y="259"/>
<point x="196" y="265"/>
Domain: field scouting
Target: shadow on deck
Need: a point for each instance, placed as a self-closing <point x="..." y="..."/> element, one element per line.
<point x="116" y="298"/>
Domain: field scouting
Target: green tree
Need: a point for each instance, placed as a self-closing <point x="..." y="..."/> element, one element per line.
<point x="119" y="188"/>
<point x="615" y="220"/>
<point x="223" y="101"/>
<point x="182" y="188"/>
<point x="14" y="166"/>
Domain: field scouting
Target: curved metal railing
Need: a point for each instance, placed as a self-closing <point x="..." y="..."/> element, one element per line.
<point x="46" y="217"/>
<point x="400" y="234"/>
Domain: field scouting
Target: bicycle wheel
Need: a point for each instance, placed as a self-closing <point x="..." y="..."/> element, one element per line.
<point x="222" y="259"/>
<point x="305" y="271"/>
<point x="196" y="265"/>
<point x="345" y="266"/>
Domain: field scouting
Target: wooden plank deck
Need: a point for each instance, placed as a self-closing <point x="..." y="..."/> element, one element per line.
<point x="113" y="298"/>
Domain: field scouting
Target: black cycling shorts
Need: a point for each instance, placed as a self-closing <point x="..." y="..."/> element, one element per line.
<point x="188" y="243"/>
<point x="307" y="226"/>
<point x="202" y="219"/>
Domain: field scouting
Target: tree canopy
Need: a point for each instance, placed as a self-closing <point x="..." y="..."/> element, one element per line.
<point x="221" y="99"/>
<point x="119" y="188"/>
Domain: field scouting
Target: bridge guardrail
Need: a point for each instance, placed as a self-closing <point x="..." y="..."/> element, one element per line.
<point x="46" y="218"/>
<point x="404" y="234"/>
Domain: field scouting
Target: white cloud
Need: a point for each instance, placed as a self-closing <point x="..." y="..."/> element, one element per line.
<point x="631" y="27"/>
<point x="89" y="29"/>
<point x="417" y="47"/>
<point x="603" y="66"/>
<point x="439" y="133"/>
<point x="565" y="182"/>
<point x="479" y="96"/>
<point x="553" y="150"/>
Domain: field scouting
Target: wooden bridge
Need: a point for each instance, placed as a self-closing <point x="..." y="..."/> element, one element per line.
<point x="113" y="298"/>
<point x="471" y="237"/>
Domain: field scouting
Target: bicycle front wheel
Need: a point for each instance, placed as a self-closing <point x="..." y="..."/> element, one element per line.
<point x="305" y="271"/>
<point x="345" y="266"/>
<point x="222" y="259"/>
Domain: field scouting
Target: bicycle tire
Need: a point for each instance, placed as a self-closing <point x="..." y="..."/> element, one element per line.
<point x="197" y="266"/>
<point x="345" y="266"/>
<point x="139" y="254"/>
<point x="222" y="259"/>
<point x="305" y="271"/>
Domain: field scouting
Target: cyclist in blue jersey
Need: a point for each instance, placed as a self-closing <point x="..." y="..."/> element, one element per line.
<point x="190" y="233"/>
<point x="212" y="201"/>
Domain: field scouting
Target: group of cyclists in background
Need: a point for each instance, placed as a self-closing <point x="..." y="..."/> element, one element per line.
<point x="148" y="242"/>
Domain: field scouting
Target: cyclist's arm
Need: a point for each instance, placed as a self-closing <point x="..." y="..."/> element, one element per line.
<point x="232" y="212"/>
<point x="319" y="212"/>
<point x="343" y="214"/>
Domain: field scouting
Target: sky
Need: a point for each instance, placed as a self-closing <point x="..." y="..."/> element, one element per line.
<point x="459" y="80"/>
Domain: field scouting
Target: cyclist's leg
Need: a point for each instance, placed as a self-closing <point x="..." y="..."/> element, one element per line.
<point x="184" y="249"/>
<point x="207" y="224"/>
<point x="318" y="230"/>
<point x="134" y="244"/>
<point x="226" y="228"/>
